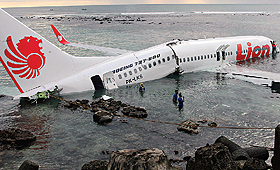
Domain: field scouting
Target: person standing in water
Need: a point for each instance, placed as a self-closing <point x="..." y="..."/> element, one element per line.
<point x="142" y="87"/>
<point x="181" y="100"/>
<point x="175" y="96"/>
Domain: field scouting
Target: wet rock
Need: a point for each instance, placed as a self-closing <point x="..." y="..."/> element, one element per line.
<point x="134" y="111"/>
<point x="152" y="159"/>
<point x="188" y="126"/>
<point x="187" y="158"/>
<point x="239" y="153"/>
<point x="202" y="121"/>
<point x="212" y="124"/>
<point x="84" y="101"/>
<point x="95" y="165"/>
<point x="16" y="138"/>
<point x="191" y="164"/>
<point x="102" y="117"/>
<point x="176" y="168"/>
<point x="72" y="105"/>
<point x="255" y="164"/>
<point x="240" y="164"/>
<point x="216" y="156"/>
<point x="28" y="165"/>
<point x="257" y="152"/>
<point x="2" y="95"/>
<point x="123" y="120"/>
<point x="106" y="152"/>
<point x="109" y="105"/>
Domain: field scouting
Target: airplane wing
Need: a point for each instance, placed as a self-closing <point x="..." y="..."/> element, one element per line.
<point x="107" y="50"/>
<point x="251" y="75"/>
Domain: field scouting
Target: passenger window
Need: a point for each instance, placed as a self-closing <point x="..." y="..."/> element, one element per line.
<point x="198" y="57"/>
<point x="208" y="56"/>
<point x="194" y="57"/>
<point x="140" y="68"/>
<point x="180" y="60"/>
<point x="154" y="63"/>
<point x="188" y="59"/>
<point x="150" y="65"/>
<point x="145" y="67"/>
<point x="204" y="56"/>
<point x="214" y="55"/>
<point x="120" y="76"/>
<point x="184" y="59"/>
<point x="125" y="75"/>
<point x="191" y="58"/>
<point x="163" y="60"/>
<point x="130" y="72"/>
<point x="135" y="71"/>
<point x="168" y="58"/>
<point x="159" y="62"/>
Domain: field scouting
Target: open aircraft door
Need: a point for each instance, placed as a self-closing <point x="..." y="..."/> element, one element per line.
<point x="221" y="54"/>
<point x="109" y="80"/>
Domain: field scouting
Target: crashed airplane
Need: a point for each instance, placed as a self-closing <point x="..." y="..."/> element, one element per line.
<point x="36" y="65"/>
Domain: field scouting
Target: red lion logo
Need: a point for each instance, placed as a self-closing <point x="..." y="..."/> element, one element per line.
<point x="27" y="59"/>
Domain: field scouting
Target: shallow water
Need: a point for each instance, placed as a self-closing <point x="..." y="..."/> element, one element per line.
<point x="68" y="139"/>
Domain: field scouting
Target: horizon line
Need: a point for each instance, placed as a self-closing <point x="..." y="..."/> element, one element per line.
<point x="131" y="4"/>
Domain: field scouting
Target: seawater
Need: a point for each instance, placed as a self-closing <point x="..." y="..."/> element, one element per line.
<point x="68" y="139"/>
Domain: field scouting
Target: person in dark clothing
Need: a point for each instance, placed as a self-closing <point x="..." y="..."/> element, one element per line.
<point x="181" y="100"/>
<point x="142" y="87"/>
<point x="175" y="96"/>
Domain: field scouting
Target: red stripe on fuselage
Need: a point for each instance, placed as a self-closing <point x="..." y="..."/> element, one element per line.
<point x="11" y="75"/>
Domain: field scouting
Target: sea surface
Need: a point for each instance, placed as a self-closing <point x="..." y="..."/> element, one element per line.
<point x="67" y="139"/>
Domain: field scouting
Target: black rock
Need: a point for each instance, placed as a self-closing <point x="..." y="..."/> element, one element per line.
<point x="2" y="95"/>
<point x="133" y="111"/>
<point x="191" y="164"/>
<point x="152" y="159"/>
<point x="188" y="126"/>
<point x="212" y="124"/>
<point x="255" y="164"/>
<point x="216" y="156"/>
<point x="16" y="138"/>
<point x="102" y="117"/>
<point x="28" y="165"/>
<point x="95" y="165"/>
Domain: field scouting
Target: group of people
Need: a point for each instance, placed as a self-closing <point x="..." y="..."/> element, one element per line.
<point x="180" y="99"/>
<point x="176" y="99"/>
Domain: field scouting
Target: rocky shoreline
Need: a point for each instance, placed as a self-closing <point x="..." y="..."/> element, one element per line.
<point x="219" y="155"/>
<point x="222" y="154"/>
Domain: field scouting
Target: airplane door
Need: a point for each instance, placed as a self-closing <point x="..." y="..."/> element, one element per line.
<point x="109" y="80"/>
<point x="221" y="52"/>
<point x="97" y="82"/>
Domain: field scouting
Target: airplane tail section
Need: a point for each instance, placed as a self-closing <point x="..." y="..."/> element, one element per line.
<point x="31" y="61"/>
<point x="59" y="36"/>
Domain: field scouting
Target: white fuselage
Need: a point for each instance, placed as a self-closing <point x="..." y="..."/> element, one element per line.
<point x="159" y="61"/>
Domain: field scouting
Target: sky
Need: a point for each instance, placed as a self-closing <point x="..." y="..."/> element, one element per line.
<point x="32" y="3"/>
